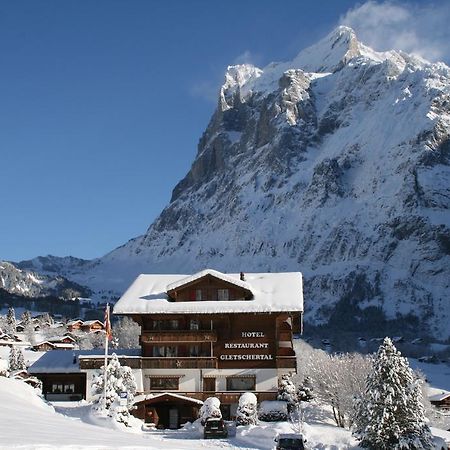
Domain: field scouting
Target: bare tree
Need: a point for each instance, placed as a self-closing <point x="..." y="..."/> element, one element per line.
<point x="336" y="378"/>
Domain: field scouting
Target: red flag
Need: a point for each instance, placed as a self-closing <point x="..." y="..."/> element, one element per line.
<point x="107" y="324"/>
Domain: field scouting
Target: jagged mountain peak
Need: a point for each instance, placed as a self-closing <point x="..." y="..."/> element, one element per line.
<point x="336" y="164"/>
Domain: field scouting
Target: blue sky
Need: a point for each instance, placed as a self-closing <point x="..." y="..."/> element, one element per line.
<point x="102" y="103"/>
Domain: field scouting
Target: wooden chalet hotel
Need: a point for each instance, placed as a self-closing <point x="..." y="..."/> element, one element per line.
<point x="208" y="334"/>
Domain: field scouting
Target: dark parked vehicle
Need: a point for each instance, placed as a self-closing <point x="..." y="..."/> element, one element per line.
<point x="215" y="428"/>
<point x="291" y="441"/>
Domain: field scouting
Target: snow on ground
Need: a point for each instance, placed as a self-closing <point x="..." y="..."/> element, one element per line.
<point x="30" y="355"/>
<point x="35" y="425"/>
<point x="438" y="375"/>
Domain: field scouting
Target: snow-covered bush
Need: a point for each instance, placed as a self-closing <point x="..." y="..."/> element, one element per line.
<point x="247" y="413"/>
<point x="16" y="359"/>
<point x="273" y="411"/>
<point x="119" y="379"/>
<point x="389" y="415"/>
<point x="210" y="409"/>
<point x="287" y="391"/>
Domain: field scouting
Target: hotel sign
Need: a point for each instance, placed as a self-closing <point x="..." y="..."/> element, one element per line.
<point x="249" y="346"/>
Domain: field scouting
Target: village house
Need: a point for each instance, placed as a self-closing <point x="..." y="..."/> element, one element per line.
<point x="208" y="334"/>
<point x="441" y="400"/>
<point x="65" y="342"/>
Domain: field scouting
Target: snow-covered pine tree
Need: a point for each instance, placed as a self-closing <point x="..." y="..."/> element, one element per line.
<point x="305" y="390"/>
<point x="247" y="411"/>
<point x="11" y="320"/>
<point x="25" y="318"/>
<point x="287" y="391"/>
<point x="16" y="359"/>
<point x="390" y="414"/>
<point x="119" y="379"/>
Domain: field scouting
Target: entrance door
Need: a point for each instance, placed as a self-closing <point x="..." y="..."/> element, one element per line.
<point x="209" y="384"/>
<point x="173" y="418"/>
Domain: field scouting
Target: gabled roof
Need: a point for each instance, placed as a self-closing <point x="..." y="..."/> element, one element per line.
<point x="73" y="322"/>
<point x="272" y="292"/>
<point x="214" y="273"/>
<point x="156" y="398"/>
<point x="91" y="322"/>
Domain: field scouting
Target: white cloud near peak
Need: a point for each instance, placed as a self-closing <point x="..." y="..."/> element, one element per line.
<point x="412" y="27"/>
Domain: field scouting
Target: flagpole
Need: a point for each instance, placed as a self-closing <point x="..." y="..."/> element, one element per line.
<point x="106" y="354"/>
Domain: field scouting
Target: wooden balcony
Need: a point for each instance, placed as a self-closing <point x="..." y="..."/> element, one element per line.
<point x="204" y="362"/>
<point x="178" y="336"/>
<point x="154" y="363"/>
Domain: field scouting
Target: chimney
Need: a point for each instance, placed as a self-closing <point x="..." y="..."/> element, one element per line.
<point x="242" y="276"/>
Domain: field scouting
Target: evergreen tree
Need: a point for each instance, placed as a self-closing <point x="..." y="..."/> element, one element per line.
<point x="11" y="320"/>
<point x="287" y="391"/>
<point x="390" y="414"/>
<point x="16" y="359"/>
<point x="305" y="390"/>
<point x="26" y="318"/>
<point x="118" y="379"/>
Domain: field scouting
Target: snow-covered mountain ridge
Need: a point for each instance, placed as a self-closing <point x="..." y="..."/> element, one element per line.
<point x="34" y="284"/>
<point x="336" y="164"/>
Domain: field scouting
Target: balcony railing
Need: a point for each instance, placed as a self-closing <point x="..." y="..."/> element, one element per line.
<point x="178" y="336"/>
<point x="205" y="362"/>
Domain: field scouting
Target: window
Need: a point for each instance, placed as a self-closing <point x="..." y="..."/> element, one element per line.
<point x="168" y="351"/>
<point x="69" y="388"/>
<point x="194" y="350"/>
<point x="57" y="388"/>
<point x="241" y="383"/>
<point x="164" y="383"/>
<point x="198" y="294"/>
<point x="222" y="294"/>
<point x="165" y="324"/>
<point x="63" y="388"/>
<point x="193" y="324"/>
<point x="157" y="324"/>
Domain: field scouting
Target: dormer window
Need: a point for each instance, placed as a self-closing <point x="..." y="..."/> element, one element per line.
<point x="223" y="294"/>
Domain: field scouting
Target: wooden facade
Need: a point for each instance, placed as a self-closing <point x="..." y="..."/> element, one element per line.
<point x="215" y="349"/>
<point x="63" y="386"/>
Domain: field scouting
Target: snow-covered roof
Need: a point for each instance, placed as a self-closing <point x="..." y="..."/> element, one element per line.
<point x="203" y="273"/>
<point x="62" y="361"/>
<point x="439" y="397"/>
<point x="141" y="398"/>
<point x="73" y="322"/>
<point x="91" y="322"/>
<point x="272" y="292"/>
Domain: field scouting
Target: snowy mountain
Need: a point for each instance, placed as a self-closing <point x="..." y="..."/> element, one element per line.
<point x="336" y="164"/>
<point x="33" y="284"/>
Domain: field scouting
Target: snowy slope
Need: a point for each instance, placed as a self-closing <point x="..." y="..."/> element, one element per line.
<point x="335" y="164"/>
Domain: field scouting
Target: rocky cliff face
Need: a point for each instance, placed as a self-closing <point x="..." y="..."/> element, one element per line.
<point x="336" y="164"/>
